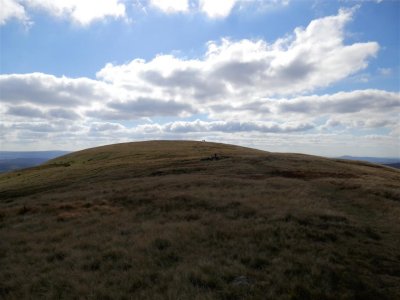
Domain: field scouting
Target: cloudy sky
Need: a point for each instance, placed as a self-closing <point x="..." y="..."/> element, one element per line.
<point x="318" y="76"/>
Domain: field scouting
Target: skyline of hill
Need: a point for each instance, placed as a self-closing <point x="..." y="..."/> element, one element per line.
<point x="199" y="220"/>
<point x="15" y="160"/>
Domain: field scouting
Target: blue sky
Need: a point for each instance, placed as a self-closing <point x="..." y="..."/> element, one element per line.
<point x="318" y="77"/>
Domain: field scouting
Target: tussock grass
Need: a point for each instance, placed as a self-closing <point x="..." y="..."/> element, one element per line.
<point x="156" y="220"/>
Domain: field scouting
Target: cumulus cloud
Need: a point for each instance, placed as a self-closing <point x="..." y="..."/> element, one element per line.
<point x="49" y="90"/>
<point x="355" y="109"/>
<point x="247" y="90"/>
<point x="32" y="112"/>
<point x="25" y="111"/>
<point x="12" y="9"/>
<point x="60" y="113"/>
<point x="80" y="12"/>
<point x="141" y="107"/>
<point x="374" y="101"/>
<point x="353" y="1"/>
<point x="234" y="126"/>
<point x="97" y="127"/>
<point x="171" y="6"/>
<point x="28" y="95"/>
<point x="146" y="107"/>
<point x="339" y="112"/>
<point x="37" y="127"/>
<point x="385" y="71"/>
<point x="217" y="9"/>
<point x="213" y="9"/>
<point x="222" y="9"/>
<point x="244" y="79"/>
<point x="86" y="12"/>
<point x="311" y="58"/>
<point x="227" y="131"/>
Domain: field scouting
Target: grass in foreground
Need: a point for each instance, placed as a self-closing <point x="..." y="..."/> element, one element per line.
<point x="157" y="220"/>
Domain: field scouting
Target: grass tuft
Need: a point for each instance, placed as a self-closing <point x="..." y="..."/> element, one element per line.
<point x="156" y="220"/>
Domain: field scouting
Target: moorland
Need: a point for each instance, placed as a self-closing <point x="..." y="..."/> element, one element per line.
<point x="199" y="220"/>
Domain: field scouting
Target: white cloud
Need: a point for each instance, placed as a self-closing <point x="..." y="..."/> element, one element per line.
<point x="354" y="1"/>
<point x="48" y="90"/>
<point x="171" y="6"/>
<point x="217" y="9"/>
<point x="237" y="71"/>
<point x="82" y="12"/>
<point x="249" y="92"/>
<point x="25" y="111"/>
<point x="82" y="135"/>
<point x="355" y="105"/>
<point x="44" y="97"/>
<point x="354" y="110"/>
<point x="234" y="79"/>
<point x="141" y="107"/>
<point x="375" y="101"/>
<point x="234" y="126"/>
<point x="385" y="71"/>
<point x="27" y="95"/>
<point x="12" y="9"/>
<point x="98" y="127"/>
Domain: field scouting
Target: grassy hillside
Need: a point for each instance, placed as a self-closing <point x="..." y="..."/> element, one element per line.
<point x="166" y="220"/>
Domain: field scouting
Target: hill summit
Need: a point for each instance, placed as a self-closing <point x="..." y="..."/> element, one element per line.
<point x="199" y="220"/>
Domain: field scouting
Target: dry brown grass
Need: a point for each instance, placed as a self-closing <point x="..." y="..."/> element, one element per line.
<point x="155" y="220"/>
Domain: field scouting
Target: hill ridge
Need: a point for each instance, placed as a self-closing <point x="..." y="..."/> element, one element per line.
<point x="154" y="219"/>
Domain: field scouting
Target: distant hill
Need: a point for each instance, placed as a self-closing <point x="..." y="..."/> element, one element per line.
<point x="15" y="160"/>
<point x="19" y="163"/>
<point x="387" y="161"/>
<point x="394" y="165"/>
<point x="199" y="220"/>
<point x="378" y="160"/>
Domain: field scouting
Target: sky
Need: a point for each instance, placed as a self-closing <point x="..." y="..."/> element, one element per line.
<point x="318" y="77"/>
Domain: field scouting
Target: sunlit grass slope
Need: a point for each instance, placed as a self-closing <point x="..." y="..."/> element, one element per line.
<point x="168" y="220"/>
